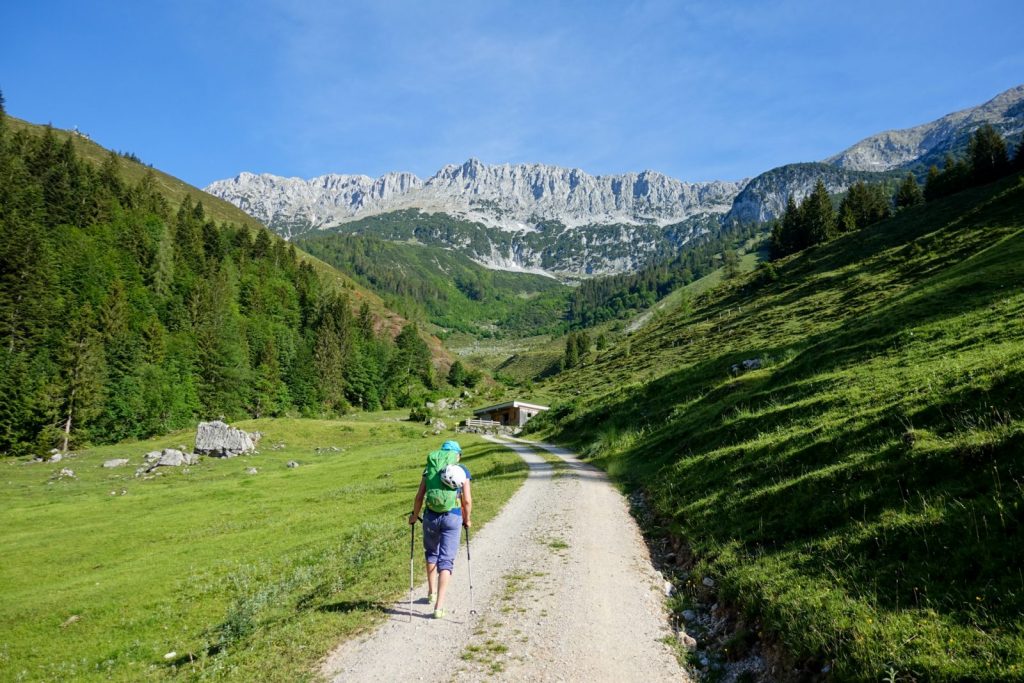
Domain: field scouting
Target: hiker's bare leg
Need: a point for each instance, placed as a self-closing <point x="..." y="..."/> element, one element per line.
<point x="442" y="586"/>
<point x="431" y="579"/>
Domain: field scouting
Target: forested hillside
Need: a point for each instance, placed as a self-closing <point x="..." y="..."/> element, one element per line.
<point x="855" y="489"/>
<point x="122" y="316"/>
<point x="444" y="286"/>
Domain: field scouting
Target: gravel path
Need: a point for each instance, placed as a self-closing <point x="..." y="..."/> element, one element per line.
<point x="563" y="587"/>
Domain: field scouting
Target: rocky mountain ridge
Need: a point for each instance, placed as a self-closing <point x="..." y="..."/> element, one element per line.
<point x="511" y="197"/>
<point x="546" y="218"/>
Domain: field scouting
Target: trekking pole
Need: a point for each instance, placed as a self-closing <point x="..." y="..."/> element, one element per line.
<point x="469" y="571"/>
<point x="412" y="552"/>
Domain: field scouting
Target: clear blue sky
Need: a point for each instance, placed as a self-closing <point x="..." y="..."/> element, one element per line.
<point x="697" y="90"/>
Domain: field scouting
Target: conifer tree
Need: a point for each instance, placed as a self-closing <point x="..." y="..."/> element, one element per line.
<point x="571" y="358"/>
<point x="1018" y="159"/>
<point x="908" y="193"/>
<point x="987" y="152"/>
<point x="83" y="374"/>
<point x="819" y="218"/>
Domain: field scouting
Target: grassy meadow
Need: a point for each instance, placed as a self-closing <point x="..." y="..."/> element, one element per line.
<point x="861" y="495"/>
<point x="242" y="576"/>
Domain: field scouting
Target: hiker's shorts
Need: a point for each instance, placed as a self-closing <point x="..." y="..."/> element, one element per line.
<point x="441" y="532"/>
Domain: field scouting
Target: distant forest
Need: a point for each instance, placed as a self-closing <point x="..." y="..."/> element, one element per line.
<point x="615" y="296"/>
<point x="122" y="317"/>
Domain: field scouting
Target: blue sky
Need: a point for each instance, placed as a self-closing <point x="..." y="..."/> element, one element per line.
<point x="697" y="90"/>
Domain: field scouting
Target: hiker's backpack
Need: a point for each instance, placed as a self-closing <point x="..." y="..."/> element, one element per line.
<point x="440" y="498"/>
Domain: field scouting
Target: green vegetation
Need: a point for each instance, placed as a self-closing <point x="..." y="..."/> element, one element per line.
<point x="862" y="492"/>
<point x="618" y="296"/>
<point x="242" y="576"/>
<point x="122" y="318"/>
<point x="445" y="287"/>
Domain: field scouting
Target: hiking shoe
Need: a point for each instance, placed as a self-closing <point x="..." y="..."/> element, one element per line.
<point x="439" y="614"/>
<point x="432" y="598"/>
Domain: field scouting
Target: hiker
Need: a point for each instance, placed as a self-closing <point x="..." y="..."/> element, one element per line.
<point x="449" y="502"/>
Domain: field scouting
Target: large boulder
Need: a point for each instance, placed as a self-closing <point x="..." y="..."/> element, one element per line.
<point x="116" y="462"/>
<point x="222" y="441"/>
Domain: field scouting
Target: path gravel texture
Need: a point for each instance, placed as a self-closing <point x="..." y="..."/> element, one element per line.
<point x="563" y="588"/>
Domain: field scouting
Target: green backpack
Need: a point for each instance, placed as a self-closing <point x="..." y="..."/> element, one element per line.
<point x="439" y="497"/>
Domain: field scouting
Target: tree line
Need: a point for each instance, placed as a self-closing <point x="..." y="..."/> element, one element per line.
<point x="815" y="220"/>
<point x="615" y="296"/>
<point x="123" y="317"/>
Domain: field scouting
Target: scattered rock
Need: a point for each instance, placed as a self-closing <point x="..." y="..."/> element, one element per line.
<point x="438" y="425"/>
<point x="687" y="641"/>
<point x="116" y="462"/>
<point x="746" y="366"/>
<point x="56" y="457"/>
<point x="153" y="456"/>
<point x="222" y="441"/>
<point x="252" y="470"/>
<point x="292" y="464"/>
<point x="172" y="457"/>
<point x="689" y="615"/>
<point x="708" y="581"/>
<point x="70" y="620"/>
<point x="170" y="655"/>
<point x="669" y="589"/>
<point x="65" y="473"/>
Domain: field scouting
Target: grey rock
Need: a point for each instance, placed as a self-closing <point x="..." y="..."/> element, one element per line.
<point x="172" y="457"/>
<point x="438" y="425"/>
<point x="116" y="462"/>
<point x="689" y="615"/>
<point x="669" y="589"/>
<point x="687" y="641"/>
<point x="65" y="473"/>
<point x="292" y="464"/>
<point x="252" y="470"/>
<point x="153" y="456"/>
<point x="223" y="441"/>
<point x="56" y="457"/>
<point x="708" y="581"/>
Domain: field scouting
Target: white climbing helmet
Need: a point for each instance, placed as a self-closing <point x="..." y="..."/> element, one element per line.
<point x="453" y="476"/>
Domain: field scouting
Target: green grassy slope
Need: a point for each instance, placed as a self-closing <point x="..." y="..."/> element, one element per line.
<point x="863" y="492"/>
<point x="244" y="577"/>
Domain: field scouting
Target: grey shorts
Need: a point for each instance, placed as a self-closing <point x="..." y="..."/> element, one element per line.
<point x="441" y="534"/>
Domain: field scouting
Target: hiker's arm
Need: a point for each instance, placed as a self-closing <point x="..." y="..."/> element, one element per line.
<point x="418" y="503"/>
<point x="467" y="505"/>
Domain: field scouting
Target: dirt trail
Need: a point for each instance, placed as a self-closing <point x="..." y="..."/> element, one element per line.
<point x="563" y="587"/>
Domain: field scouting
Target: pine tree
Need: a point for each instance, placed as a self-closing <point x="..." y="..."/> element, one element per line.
<point x="571" y="358"/>
<point x="457" y="374"/>
<point x="83" y="375"/>
<point x="932" y="189"/>
<point x="1018" y="159"/>
<point x="908" y="193"/>
<point x="987" y="152"/>
<point x="731" y="263"/>
<point x="819" y="218"/>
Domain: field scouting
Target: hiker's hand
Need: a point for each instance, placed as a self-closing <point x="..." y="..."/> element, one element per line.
<point x="412" y="518"/>
<point x="466" y="523"/>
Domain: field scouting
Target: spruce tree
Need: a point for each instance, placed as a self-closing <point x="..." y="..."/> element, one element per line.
<point x="987" y="152"/>
<point x="571" y="358"/>
<point x="908" y="193"/>
<point x="819" y="217"/>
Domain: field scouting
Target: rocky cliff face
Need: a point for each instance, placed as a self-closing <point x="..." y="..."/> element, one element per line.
<point x="565" y="221"/>
<point x="511" y="197"/>
<point x="897" y="149"/>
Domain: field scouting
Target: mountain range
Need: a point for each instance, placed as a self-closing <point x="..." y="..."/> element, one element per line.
<point x="566" y="222"/>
